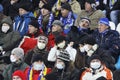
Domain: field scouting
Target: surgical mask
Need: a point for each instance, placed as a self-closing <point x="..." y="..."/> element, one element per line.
<point x="86" y="47"/>
<point x="59" y="66"/>
<point x="5" y="28"/>
<point x="95" y="65"/>
<point x="12" y="2"/>
<point x="37" y="66"/>
<point x="61" y="45"/>
<point x="82" y="49"/>
<point x="12" y="58"/>
<point x="41" y="45"/>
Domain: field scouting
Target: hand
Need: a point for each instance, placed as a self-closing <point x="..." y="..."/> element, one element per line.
<point x="58" y="7"/>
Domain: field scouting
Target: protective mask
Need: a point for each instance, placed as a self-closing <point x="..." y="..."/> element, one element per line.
<point x="59" y="66"/>
<point x="37" y="66"/>
<point x="95" y="65"/>
<point x="5" y="29"/>
<point x="61" y="45"/>
<point x="41" y="45"/>
<point x="86" y="47"/>
<point x="12" y="58"/>
<point x="82" y="49"/>
<point x="12" y="2"/>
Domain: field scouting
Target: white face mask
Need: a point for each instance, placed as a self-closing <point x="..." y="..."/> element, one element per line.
<point x="59" y="66"/>
<point x="37" y="66"/>
<point x="82" y="49"/>
<point x="61" y="45"/>
<point x="41" y="45"/>
<point x="5" y="28"/>
<point x="12" y="2"/>
<point x="12" y="58"/>
<point x="86" y="47"/>
<point x="95" y="65"/>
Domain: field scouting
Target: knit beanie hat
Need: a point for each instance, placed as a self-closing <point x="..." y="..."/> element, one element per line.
<point x="57" y="22"/>
<point x="34" y="23"/>
<point x="42" y="37"/>
<point x="47" y="6"/>
<point x="64" y="55"/>
<point x="66" y="6"/>
<point x="88" y="40"/>
<point x="18" y="52"/>
<point x="37" y="57"/>
<point x="104" y="21"/>
<point x="86" y="18"/>
<point x="95" y="56"/>
<point x="60" y="39"/>
<point x="26" y="6"/>
<point x="20" y="74"/>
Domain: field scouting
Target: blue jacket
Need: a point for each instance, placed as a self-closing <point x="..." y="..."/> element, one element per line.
<point x="21" y="23"/>
<point x="109" y="40"/>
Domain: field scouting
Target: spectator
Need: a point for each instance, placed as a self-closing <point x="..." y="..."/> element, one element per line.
<point x="18" y="75"/>
<point x="67" y="17"/>
<point x="55" y="31"/>
<point x="46" y="18"/>
<point x="90" y="12"/>
<point x="62" y="68"/>
<point x="38" y="69"/>
<point x="40" y="48"/>
<point x="97" y="70"/>
<point x="106" y="38"/>
<point x="29" y="41"/>
<point x="21" y="22"/>
<point x="17" y="63"/>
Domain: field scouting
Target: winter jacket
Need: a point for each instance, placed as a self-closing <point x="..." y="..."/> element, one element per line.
<point x="88" y="74"/>
<point x="21" y="23"/>
<point x="94" y="17"/>
<point x="11" y="68"/>
<point x="109" y="41"/>
<point x="31" y="53"/>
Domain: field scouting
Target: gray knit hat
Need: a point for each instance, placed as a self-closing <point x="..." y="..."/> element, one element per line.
<point x="57" y="22"/>
<point x="18" y="52"/>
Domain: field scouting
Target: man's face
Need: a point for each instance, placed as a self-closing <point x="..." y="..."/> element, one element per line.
<point x="84" y="23"/>
<point x="32" y="29"/>
<point x="64" y="12"/>
<point x="56" y="28"/>
<point x="44" y="12"/>
<point x="22" y="11"/>
<point x="102" y="27"/>
<point x="88" y="6"/>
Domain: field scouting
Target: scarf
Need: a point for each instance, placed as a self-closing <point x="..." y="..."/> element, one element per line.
<point x="51" y="18"/>
<point x="42" y="73"/>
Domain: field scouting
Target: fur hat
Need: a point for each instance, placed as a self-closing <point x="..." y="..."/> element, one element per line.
<point x="64" y="55"/>
<point x="47" y="6"/>
<point x="20" y="74"/>
<point x="88" y="39"/>
<point x="104" y="21"/>
<point x="37" y="57"/>
<point x="59" y="39"/>
<point x="57" y="22"/>
<point x="34" y="23"/>
<point x="42" y="37"/>
<point x="66" y="6"/>
<point x="18" y="52"/>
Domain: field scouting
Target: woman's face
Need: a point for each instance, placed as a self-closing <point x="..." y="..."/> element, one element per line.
<point x="16" y="78"/>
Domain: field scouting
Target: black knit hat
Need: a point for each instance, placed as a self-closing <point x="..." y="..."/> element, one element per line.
<point x="59" y="39"/>
<point x="91" y="1"/>
<point x="37" y="57"/>
<point x="95" y="56"/>
<point x="85" y="18"/>
<point x="34" y="23"/>
<point x="66" y="6"/>
<point x="47" y="6"/>
<point x="64" y="55"/>
<point x="26" y="6"/>
<point x="88" y="39"/>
